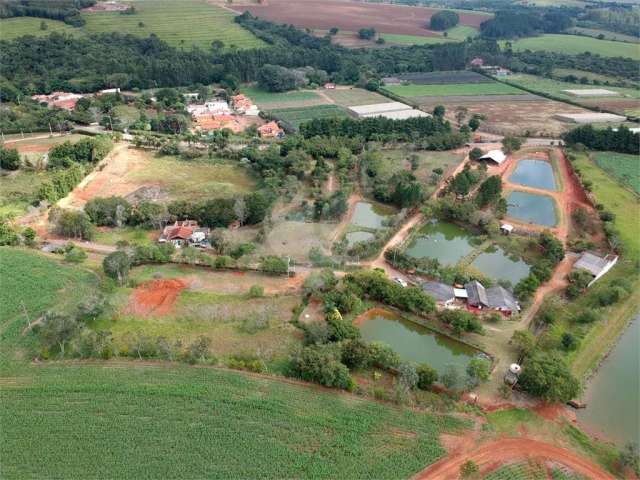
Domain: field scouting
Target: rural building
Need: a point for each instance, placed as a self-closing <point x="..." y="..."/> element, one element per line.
<point x="497" y="156"/>
<point x="184" y="233"/>
<point x="64" y="100"/>
<point x="441" y="293"/>
<point x="506" y="228"/>
<point x="592" y="92"/>
<point x="108" y="91"/>
<point x="190" y="96"/>
<point x="330" y="86"/>
<point x="391" y="81"/>
<point x="271" y="130"/>
<point x="595" y="264"/>
<point x="477" y="62"/>
<point x="494" y="298"/>
<point x="390" y="110"/>
<point x="244" y="105"/>
<point x="591" y="117"/>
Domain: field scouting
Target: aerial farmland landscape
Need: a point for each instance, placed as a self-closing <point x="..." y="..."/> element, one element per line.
<point x="337" y="239"/>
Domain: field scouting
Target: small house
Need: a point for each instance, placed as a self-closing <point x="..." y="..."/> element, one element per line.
<point x="502" y="300"/>
<point x="241" y="104"/>
<point x="185" y="233"/>
<point x="330" y="86"/>
<point x="477" y="62"/>
<point x="64" y="100"/>
<point x="476" y="295"/>
<point x="496" y="156"/>
<point x="109" y="91"/>
<point x="442" y="293"/>
<point x="271" y="130"/>
<point x="506" y="228"/>
<point x="596" y="265"/>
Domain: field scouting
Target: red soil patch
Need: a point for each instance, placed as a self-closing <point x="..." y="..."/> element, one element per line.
<point x="511" y="450"/>
<point x="352" y="16"/>
<point x="156" y="297"/>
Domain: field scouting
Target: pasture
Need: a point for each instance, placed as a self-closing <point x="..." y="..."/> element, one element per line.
<point x="181" y="24"/>
<point x="11" y="28"/>
<point x="623" y="167"/>
<point x="349" y="97"/>
<point x="298" y="116"/>
<point x="575" y="44"/>
<point x="296" y="98"/>
<point x="413" y="90"/>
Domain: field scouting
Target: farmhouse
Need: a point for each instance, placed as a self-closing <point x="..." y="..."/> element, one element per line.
<point x="271" y="130"/>
<point x="63" y="100"/>
<point x="596" y="265"/>
<point x="495" y="298"/>
<point x="186" y="232"/>
<point x="497" y="156"/>
<point x="441" y="293"/>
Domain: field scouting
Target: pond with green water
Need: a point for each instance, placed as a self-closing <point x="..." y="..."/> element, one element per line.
<point x="532" y="208"/>
<point x="495" y="263"/>
<point x="534" y="173"/>
<point x="369" y="215"/>
<point x="415" y="343"/>
<point x="444" y="241"/>
<point x="613" y="394"/>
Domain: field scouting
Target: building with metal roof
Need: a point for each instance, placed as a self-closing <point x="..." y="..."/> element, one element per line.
<point x="595" y="264"/>
<point x="440" y="292"/>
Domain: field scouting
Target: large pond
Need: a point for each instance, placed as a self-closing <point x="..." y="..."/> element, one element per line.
<point x="494" y="262"/>
<point x="413" y="342"/>
<point x="368" y="215"/>
<point x="444" y="241"/>
<point x="613" y="394"/>
<point x="534" y="173"/>
<point x="532" y="208"/>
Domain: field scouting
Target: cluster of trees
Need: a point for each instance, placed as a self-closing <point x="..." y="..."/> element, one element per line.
<point x="462" y="183"/>
<point x="9" y="158"/>
<point x="620" y="140"/>
<point x="524" y="23"/>
<point x="552" y="253"/>
<point x="67" y="11"/>
<point x="443" y="20"/>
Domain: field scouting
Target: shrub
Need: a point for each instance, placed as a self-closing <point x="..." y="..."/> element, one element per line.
<point x="450" y="378"/>
<point x="72" y="223"/>
<point x="117" y="265"/>
<point x="321" y="364"/>
<point x="383" y="356"/>
<point x="478" y="371"/>
<point x="356" y="354"/>
<point x="75" y="255"/>
<point x="198" y="350"/>
<point x="275" y="265"/>
<point x="339" y="329"/>
<point x="256" y="291"/>
<point x="547" y="376"/>
<point x="408" y="375"/>
<point x="256" y="322"/>
<point x="247" y="361"/>
<point x="569" y="341"/>
<point x="9" y="159"/>
<point x="426" y="376"/>
<point x="610" y="296"/>
<point x="587" y="316"/>
<point x="316" y="333"/>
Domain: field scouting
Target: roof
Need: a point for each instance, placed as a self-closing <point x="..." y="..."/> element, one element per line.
<point x="506" y="227"/>
<point x="592" y="92"/>
<point x="477" y="294"/>
<point x="439" y="291"/>
<point x="592" y="263"/>
<point x="398" y="114"/>
<point x="379" y="108"/>
<point x="501" y="298"/>
<point x="497" y="156"/>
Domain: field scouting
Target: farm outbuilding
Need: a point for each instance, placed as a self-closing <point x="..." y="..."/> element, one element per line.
<point x="497" y="156"/>
<point x="595" y="264"/>
<point x="390" y="110"/>
<point x="441" y="292"/>
<point x="591" y="117"/>
<point x="592" y="92"/>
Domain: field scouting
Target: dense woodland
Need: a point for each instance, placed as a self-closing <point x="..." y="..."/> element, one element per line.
<point x="67" y="11"/>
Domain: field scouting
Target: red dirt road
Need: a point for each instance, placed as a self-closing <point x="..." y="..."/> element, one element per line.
<point x="351" y="16"/>
<point x="156" y="297"/>
<point x="510" y="450"/>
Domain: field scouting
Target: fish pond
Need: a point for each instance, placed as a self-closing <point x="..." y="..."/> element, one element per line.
<point x="443" y="241"/>
<point x="613" y="394"/>
<point x="532" y="208"/>
<point x="369" y="215"/>
<point x="413" y="342"/>
<point x="534" y="173"/>
<point x="495" y="263"/>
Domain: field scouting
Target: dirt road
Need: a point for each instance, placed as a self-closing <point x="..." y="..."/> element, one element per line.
<point x="495" y="453"/>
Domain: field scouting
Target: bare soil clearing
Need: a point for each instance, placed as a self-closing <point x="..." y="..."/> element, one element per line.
<point x="510" y="450"/>
<point x="352" y="16"/>
<point x="156" y="297"/>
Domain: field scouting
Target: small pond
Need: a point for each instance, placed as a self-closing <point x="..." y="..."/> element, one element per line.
<point x="532" y="208"/>
<point x="355" y="237"/>
<point x="444" y="241"/>
<point x="534" y="173"/>
<point x="613" y="394"/>
<point x="413" y="342"/>
<point x="368" y="215"/>
<point x="494" y="262"/>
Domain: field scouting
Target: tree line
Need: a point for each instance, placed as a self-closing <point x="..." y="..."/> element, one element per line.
<point x="620" y="139"/>
<point x="67" y="11"/>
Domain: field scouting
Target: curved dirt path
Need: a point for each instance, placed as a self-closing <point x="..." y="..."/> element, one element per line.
<point x="509" y="450"/>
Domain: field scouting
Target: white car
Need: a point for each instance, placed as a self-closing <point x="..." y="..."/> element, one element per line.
<point x="401" y="282"/>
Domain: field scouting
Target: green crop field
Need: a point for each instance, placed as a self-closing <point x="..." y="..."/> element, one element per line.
<point x="180" y="24"/>
<point x="401" y="39"/>
<point x="624" y="167"/>
<point x="556" y="87"/>
<point x="262" y="97"/>
<point x="297" y="116"/>
<point x="123" y="419"/>
<point x="354" y="96"/>
<point x="574" y="44"/>
<point x="452" y="89"/>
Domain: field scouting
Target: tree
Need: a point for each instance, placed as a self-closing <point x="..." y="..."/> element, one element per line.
<point x="450" y="378"/>
<point x="334" y="30"/>
<point x="367" y="33"/>
<point x="217" y="44"/>
<point x="9" y="158"/>
<point x="490" y="190"/>
<point x="511" y="144"/>
<point x="439" y="111"/>
<point x="117" y="265"/>
<point x="461" y="113"/>
<point x="475" y="154"/>
<point x="469" y="470"/>
<point x="546" y="375"/>
<point x="443" y="20"/>
<point x="240" y="209"/>
<point x="426" y="376"/>
<point x="478" y="371"/>
<point x="474" y="123"/>
<point x="275" y="265"/>
<point x="321" y="364"/>
<point x="274" y="78"/>
<point x="56" y="330"/>
<point x="553" y="248"/>
<point x="109" y="212"/>
<point x="71" y="223"/>
<point x="408" y="375"/>
<point x="524" y="343"/>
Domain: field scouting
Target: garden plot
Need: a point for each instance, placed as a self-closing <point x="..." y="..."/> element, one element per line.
<point x="297" y="116"/>
<point x="348" y="97"/>
<point x="438" y="90"/>
<point x="441" y="78"/>
<point x="295" y="99"/>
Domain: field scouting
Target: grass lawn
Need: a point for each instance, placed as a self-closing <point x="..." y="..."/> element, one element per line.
<point x="298" y="116"/>
<point x="562" y="72"/>
<point x="354" y="96"/>
<point x="461" y="32"/>
<point x="111" y="236"/>
<point x="575" y="44"/>
<point x="413" y="39"/>
<point x="124" y="419"/>
<point x="181" y="24"/>
<point x="608" y="35"/>
<point x="11" y="28"/>
<point x="624" y="167"/>
<point x="18" y="190"/>
<point x="452" y="89"/>
<point x="262" y="97"/>
<point x="127" y="114"/>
